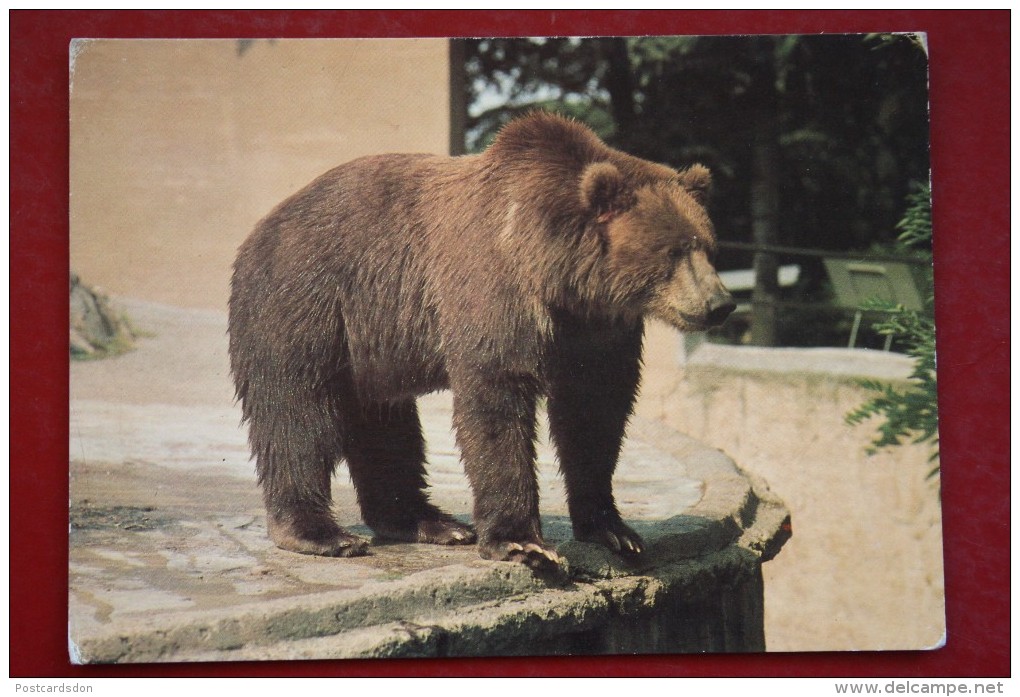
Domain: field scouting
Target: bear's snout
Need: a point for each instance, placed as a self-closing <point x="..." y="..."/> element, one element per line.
<point x="720" y="306"/>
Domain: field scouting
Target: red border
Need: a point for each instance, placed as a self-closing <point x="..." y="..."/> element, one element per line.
<point x="970" y="156"/>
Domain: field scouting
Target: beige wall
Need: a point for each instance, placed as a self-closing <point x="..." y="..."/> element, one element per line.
<point x="863" y="570"/>
<point x="179" y="147"/>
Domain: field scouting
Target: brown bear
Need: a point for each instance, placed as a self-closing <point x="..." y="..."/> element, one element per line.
<point x="521" y="272"/>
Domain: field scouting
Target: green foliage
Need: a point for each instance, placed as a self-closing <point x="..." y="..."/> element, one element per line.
<point x="834" y="127"/>
<point x="849" y="112"/>
<point x="909" y="414"/>
<point x="915" y="227"/>
<point x="116" y="347"/>
<point x="509" y="77"/>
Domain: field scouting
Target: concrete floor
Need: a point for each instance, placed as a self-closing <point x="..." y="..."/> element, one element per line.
<point x="169" y="557"/>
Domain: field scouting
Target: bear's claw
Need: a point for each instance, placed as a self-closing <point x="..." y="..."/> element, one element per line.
<point x="343" y="545"/>
<point x="349" y="546"/>
<point x="619" y="538"/>
<point x="531" y="554"/>
<point x="442" y="531"/>
<point x="321" y="537"/>
<point x="445" y="532"/>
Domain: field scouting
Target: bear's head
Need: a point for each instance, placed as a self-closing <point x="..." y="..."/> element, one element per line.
<point x="658" y="245"/>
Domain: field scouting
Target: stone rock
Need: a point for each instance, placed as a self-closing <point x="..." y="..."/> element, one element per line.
<point x="97" y="328"/>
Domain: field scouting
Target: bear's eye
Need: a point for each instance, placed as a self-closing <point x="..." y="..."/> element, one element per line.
<point x="684" y="249"/>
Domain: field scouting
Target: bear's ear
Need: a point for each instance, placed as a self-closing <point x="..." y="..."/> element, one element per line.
<point x="697" y="179"/>
<point x="604" y="191"/>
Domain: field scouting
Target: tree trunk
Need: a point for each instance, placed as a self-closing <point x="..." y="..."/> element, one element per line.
<point x="765" y="166"/>
<point x="620" y="85"/>
<point x="458" y="97"/>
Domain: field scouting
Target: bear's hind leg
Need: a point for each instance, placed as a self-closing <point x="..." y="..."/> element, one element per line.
<point x="385" y="453"/>
<point x="297" y="449"/>
<point x="308" y="533"/>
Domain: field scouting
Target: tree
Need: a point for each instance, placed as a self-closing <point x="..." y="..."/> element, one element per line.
<point x="813" y="140"/>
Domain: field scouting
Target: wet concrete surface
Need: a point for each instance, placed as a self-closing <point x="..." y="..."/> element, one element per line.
<point x="169" y="557"/>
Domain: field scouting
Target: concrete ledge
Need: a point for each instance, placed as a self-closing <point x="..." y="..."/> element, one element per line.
<point x="780" y="414"/>
<point x="170" y="561"/>
<point x="472" y="607"/>
<point x="831" y="362"/>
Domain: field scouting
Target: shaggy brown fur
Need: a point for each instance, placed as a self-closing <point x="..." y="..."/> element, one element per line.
<point x="520" y="272"/>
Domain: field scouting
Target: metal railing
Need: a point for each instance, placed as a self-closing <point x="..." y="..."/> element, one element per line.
<point x="820" y="253"/>
<point x="888" y="277"/>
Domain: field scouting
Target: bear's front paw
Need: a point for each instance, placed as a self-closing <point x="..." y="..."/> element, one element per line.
<point x="533" y="555"/>
<point x="616" y="535"/>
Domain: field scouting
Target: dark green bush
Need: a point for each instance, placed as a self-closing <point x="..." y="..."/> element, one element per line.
<point x="909" y="414"/>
